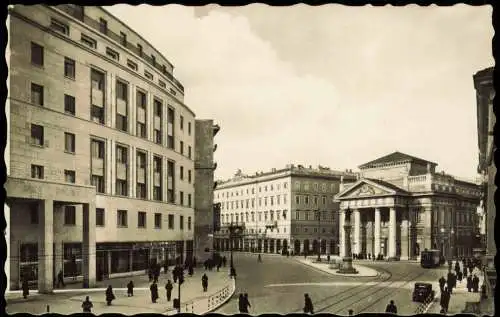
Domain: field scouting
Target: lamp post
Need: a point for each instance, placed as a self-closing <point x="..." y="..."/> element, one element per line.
<point x="319" y="234"/>
<point x="347" y="267"/>
<point x="452" y="243"/>
<point x="233" y="228"/>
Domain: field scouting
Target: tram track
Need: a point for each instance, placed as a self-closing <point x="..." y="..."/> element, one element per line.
<point x="384" y="276"/>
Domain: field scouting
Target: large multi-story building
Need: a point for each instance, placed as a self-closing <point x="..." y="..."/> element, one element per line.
<point x="401" y="206"/>
<point x="290" y="209"/>
<point x="100" y="149"/>
<point x="485" y="93"/>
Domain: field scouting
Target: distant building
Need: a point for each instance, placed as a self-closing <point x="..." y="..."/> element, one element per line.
<point x="483" y="83"/>
<point x="401" y="206"/>
<point x="290" y="209"/>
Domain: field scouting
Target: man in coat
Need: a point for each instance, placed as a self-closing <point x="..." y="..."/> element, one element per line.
<point x="60" y="279"/>
<point x="391" y="308"/>
<point x="204" y="282"/>
<point x="25" y="287"/>
<point x="308" y="305"/>
<point x="442" y="282"/>
<point x="475" y="283"/>
<point x="168" y="288"/>
<point x="130" y="289"/>
<point x="469" y="283"/>
<point x="154" y="292"/>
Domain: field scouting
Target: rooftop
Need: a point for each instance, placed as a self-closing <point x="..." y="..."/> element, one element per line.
<point x="395" y="157"/>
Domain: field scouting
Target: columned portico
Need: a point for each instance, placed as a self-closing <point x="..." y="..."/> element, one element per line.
<point x="357" y="227"/>
<point x="376" y="235"/>
<point x="45" y="250"/>
<point x="392" y="233"/>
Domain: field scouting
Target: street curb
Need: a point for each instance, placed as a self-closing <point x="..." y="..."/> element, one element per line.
<point x="224" y="301"/>
<point x="336" y="274"/>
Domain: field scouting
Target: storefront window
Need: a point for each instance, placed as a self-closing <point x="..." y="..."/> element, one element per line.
<point x="140" y="259"/>
<point x="29" y="261"/>
<point x="73" y="259"/>
<point x="120" y="261"/>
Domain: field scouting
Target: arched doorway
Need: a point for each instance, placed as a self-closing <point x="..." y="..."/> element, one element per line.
<point x="306" y="246"/>
<point x="296" y="247"/>
<point x="315" y="247"/>
<point x="323" y="246"/>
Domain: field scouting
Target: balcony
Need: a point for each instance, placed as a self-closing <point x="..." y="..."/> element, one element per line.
<point x="97" y="97"/>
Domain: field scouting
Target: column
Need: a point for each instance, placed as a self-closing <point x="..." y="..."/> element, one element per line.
<point x="132" y="110"/>
<point x="112" y="167"/>
<point x="132" y="173"/>
<point x="110" y="101"/>
<point x="376" y="235"/>
<point x="342" y="233"/>
<point x="392" y="233"/>
<point x="369" y="237"/>
<point x="149" y="175"/>
<point x="89" y="248"/>
<point x="427" y="241"/>
<point x="405" y="239"/>
<point x="357" y="227"/>
<point x="58" y="257"/>
<point x="45" y="246"/>
<point x="109" y="255"/>
<point x="150" y="125"/>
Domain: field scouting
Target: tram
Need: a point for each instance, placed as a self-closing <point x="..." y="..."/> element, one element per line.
<point x="430" y="258"/>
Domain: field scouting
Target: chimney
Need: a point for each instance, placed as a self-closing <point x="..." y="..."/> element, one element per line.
<point x="273" y="170"/>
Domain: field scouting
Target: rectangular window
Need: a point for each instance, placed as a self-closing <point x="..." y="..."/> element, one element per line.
<point x="69" y="68"/>
<point x="189" y="128"/>
<point x="181" y="197"/>
<point x="141" y="219"/>
<point x="157" y="136"/>
<point x="121" y="122"/>
<point x="69" y="142"/>
<point x="181" y="147"/>
<point x="123" y="37"/>
<point x="132" y="65"/>
<point x="103" y="26"/>
<point x="69" y="215"/>
<point x="121" y="187"/>
<point x="190" y="202"/>
<point x="121" y="154"/>
<point x="99" y="217"/>
<point x="173" y="92"/>
<point x="162" y="84"/>
<point x="112" y="54"/>
<point x="189" y="176"/>
<point x="157" y="221"/>
<point x="36" y="171"/>
<point x="37" y="137"/>
<point x="88" y="41"/>
<point x="141" y="130"/>
<point x="189" y="223"/>
<point x="121" y="90"/>
<point x="121" y="220"/>
<point x="189" y="151"/>
<point x="69" y="176"/>
<point x="148" y="75"/>
<point x="181" y="124"/>
<point x="170" y="133"/>
<point x="139" y="47"/>
<point x="97" y="149"/>
<point x="69" y="104"/>
<point x="97" y="80"/>
<point x="37" y="94"/>
<point x="59" y="26"/>
<point x="97" y="114"/>
<point x="170" y="221"/>
<point x="98" y="182"/>
<point x="181" y="222"/>
<point x="140" y="189"/>
<point x="36" y="54"/>
<point x="181" y="173"/>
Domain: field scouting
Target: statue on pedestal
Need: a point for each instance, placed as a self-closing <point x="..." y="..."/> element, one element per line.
<point x="346" y="266"/>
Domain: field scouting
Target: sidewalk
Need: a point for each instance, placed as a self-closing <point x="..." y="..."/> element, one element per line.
<point x="459" y="298"/>
<point x="324" y="266"/>
<point x="68" y="301"/>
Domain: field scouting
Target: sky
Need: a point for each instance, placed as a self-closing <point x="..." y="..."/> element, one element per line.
<point x="329" y="85"/>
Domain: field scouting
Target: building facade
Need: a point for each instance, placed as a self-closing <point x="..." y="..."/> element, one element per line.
<point x="485" y="93"/>
<point x="401" y="206"/>
<point x="204" y="187"/>
<point x="100" y="149"/>
<point x="290" y="209"/>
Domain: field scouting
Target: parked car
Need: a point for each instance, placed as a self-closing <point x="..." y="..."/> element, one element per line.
<point x="422" y="291"/>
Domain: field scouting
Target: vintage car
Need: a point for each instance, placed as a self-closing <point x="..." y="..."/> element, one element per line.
<point x="422" y="292"/>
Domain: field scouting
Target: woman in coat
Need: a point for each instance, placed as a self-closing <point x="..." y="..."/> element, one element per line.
<point x="109" y="295"/>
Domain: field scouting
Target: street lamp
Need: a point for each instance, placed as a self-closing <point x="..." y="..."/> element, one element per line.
<point x="319" y="234"/>
<point x="233" y="228"/>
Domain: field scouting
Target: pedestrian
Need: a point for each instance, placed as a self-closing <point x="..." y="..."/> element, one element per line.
<point x="308" y="305"/>
<point x="60" y="279"/>
<point x="224" y="261"/>
<point x="204" y="282"/>
<point x="446" y="300"/>
<point x="459" y="276"/>
<point x="25" y="287"/>
<point x="130" y="289"/>
<point x="168" y="288"/>
<point x="87" y="305"/>
<point x="443" y="300"/>
<point x="259" y="258"/>
<point x="194" y="262"/>
<point x="465" y="271"/>
<point x="150" y="274"/>
<point x="232" y="272"/>
<point x="205" y="264"/>
<point x="165" y="267"/>
<point x="109" y="295"/>
<point x="154" y="292"/>
<point x="190" y="270"/>
<point x="469" y="283"/>
<point x="328" y="258"/>
<point x="246" y="303"/>
<point x="457" y="267"/>
<point x="449" y="281"/>
<point x="442" y="282"/>
<point x="218" y="265"/>
<point x="391" y="308"/>
<point x="241" y="300"/>
<point x="351" y="312"/>
<point x="475" y="284"/>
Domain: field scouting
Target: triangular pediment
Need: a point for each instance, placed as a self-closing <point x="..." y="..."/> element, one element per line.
<point x="365" y="188"/>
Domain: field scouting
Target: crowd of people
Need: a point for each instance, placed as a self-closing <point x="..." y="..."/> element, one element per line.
<point x="458" y="274"/>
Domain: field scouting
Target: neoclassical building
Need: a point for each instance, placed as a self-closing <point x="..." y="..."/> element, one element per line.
<point x="289" y="209"/>
<point x="400" y="206"/>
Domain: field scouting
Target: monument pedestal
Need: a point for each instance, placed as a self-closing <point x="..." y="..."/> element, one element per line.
<point x="346" y="266"/>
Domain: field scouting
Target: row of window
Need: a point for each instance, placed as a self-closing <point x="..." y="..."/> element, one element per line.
<point x="91" y="43"/>
<point x="334" y="187"/>
<point x="121" y="218"/>
<point x="299" y="199"/>
<point x="250" y="216"/>
<point x="231" y="193"/>
<point x="251" y="202"/>
<point x="314" y="215"/>
<point x="97" y="111"/>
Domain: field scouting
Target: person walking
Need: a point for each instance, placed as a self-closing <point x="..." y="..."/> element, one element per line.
<point x="241" y="299"/>
<point x="204" y="282"/>
<point x="246" y="303"/>
<point x="391" y="308"/>
<point x="190" y="270"/>
<point x="232" y="272"/>
<point x="475" y="283"/>
<point x="87" y="305"/>
<point x="351" y="312"/>
<point x="259" y="258"/>
<point x="109" y="295"/>
<point x="449" y="281"/>
<point x="168" y="288"/>
<point x="224" y="261"/>
<point x="459" y="276"/>
<point x="308" y="305"/>
<point x="445" y="301"/>
<point x="465" y="271"/>
<point x="469" y="283"/>
<point x="60" y="279"/>
<point x="165" y="267"/>
<point x="130" y="289"/>
<point x="154" y="292"/>
<point x="25" y="287"/>
<point x="442" y="282"/>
